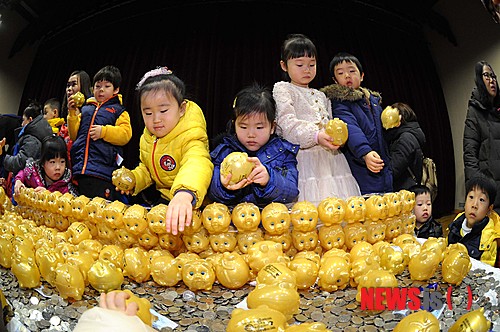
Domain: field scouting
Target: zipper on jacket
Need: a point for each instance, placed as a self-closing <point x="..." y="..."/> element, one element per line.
<point x="87" y="141"/>
<point x="153" y="158"/>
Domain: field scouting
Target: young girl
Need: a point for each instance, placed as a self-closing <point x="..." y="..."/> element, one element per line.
<point x="50" y="171"/>
<point x="405" y="145"/>
<point x="173" y="148"/>
<point x="274" y="177"/>
<point x="360" y="108"/>
<point x="301" y="114"/>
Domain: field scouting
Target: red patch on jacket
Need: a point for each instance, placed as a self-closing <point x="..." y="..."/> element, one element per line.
<point x="110" y="110"/>
<point x="167" y="163"/>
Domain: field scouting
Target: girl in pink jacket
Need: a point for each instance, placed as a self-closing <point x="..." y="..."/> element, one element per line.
<point x="50" y="171"/>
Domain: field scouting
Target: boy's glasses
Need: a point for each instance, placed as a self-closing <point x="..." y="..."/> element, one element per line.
<point x="490" y="76"/>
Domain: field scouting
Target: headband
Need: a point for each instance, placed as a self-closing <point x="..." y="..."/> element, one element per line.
<point x="153" y="73"/>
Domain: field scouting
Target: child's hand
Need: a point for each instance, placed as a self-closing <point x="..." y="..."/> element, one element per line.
<point x="326" y="141"/>
<point x="116" y="301"/>
<point x="373" y="162"/>
<point x="95" y="132"/>
<point x="259" y="174"/>
<point x="17" y="187"/>
<point x="2" y="144"/>
<point x="179" y="212"/>
<point x="235" y="186"/>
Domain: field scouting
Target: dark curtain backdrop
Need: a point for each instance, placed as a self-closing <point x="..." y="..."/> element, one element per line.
<point x="219" y="47"/>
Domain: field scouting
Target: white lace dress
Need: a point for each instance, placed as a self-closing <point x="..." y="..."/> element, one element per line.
<point x="301" y="113"/>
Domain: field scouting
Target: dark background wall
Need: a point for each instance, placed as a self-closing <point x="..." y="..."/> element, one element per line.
<point x="219" y="47"/>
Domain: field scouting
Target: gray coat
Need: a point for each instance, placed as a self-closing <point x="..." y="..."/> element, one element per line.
<point x="482" y="141"/>
<point x="29" y="144"/>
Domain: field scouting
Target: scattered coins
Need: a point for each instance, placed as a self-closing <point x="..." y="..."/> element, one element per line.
<point x="209" y="311"/>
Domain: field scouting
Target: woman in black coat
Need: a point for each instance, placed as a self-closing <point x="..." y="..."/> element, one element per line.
<point x="482" y="128"/>
<point x="405" y="147"/>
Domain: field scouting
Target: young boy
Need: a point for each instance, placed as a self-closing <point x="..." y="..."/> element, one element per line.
<point x="475" y="228"/>
<point x="425" y="226"/>
<point x="51" y="114"/>
<point x="98" y="133"/>
<point x="366" y="150"/>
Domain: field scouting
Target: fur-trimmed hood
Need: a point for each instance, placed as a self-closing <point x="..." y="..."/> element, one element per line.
<point x="344" y="93"/>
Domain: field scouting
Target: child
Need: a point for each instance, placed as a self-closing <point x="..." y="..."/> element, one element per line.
<point x="274" y="177"/>
<point x="98" y="133"/>
<point x="475" y="228"/>
<point x="405" y="146"/>
<point x="425" y="226"/>
<point x="173" y="147"/>
<point x="366" y="149"/>
<point x="301" y="114"/>
<point x="50" y="171"/>
<point x="51" y="114"/>
<point x="34" y="129"/>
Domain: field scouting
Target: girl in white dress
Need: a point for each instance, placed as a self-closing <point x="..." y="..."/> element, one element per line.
<point x="302" y="113"/>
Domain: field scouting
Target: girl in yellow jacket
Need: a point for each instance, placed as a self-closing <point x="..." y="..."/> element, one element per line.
<point x="173" y="147"/>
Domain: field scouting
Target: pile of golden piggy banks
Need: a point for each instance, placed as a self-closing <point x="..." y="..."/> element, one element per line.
<point x="72" y="242"/>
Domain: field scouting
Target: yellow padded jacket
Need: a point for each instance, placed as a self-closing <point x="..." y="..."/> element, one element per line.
<point x="178" y="161"/>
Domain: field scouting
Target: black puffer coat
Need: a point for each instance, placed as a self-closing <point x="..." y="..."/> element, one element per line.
<point x="482" y="141"/>
<point x="405" y="147"/>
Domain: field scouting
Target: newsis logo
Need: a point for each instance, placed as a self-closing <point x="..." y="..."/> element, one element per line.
<point x="413" y="298"/>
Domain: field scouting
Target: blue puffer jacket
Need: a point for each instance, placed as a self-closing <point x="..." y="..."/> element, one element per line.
<point x="96" y="158"/>
<point x="361" y="110"/>
<point x="279" y="158"/>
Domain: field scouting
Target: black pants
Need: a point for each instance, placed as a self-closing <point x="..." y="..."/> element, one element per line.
<point x="92" y="186"/>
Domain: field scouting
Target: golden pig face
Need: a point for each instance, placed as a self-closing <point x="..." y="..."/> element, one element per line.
<point x="223" y="242"/>
<point x="375" y="232"/>
<point x="276" y="218"/>
<point x="331" y="237"/>
<point x="246" y="217"/>
<point x="306" y="272"/>
<point x="354" y="233"/>
<point x="113" y="214"/>
<point x="69" y="282"/>
<point x="355" y="209"/>
<point x="331" y="210"/>
<point x="394" y="228"/>
<point x="126" y="238"/>
<point x="376" y="208"/>
<point x="456" y="265"/>
<point x="420" y="321"/>
<point x="135" y="219"/>
<point x="263" y="253"/>
<point x="197" y="242"/>
<point x="393" y="259"/>
<point x="52" y="201"/>
<point x="408" y="221"/>
<point x="64" y="205"/>
<point x="394" y="204"/>
<point x="304" y="216"/>
<point x="198" y="275"/>
<point x="105" y="276"/>
<point x="170" y="242"/>
<point x="284" y="239"/>
<point x="93" y="210"/>
<point x="232" y="272"/>
<point x="216" y="218"/>
<point x="113" y="254"/>
<point x="148" y="239"/>
<point x="408" y="199"/>
<point x="305" y="240"/>
<point x="247" y="239"/>
<point x="78" y="206"/>
<point x="156" y="219"/>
